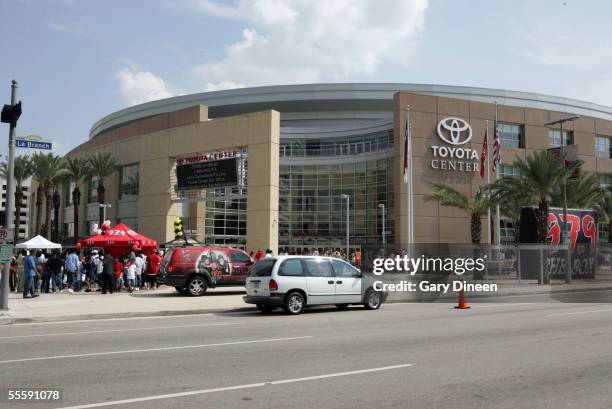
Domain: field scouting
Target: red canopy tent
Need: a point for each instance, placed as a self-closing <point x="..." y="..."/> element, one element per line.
<point x="120" y="239"/>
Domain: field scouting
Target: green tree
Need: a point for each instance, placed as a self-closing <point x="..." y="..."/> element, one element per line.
<point x="47" y="169"/>
<point x="583" y="192"/>
<point x="77" y="171"/>
<point x="541" y="177"/>
<point x="475" y="206"/>
<point x="102" y="165"/>
<point x="22" y="170"/>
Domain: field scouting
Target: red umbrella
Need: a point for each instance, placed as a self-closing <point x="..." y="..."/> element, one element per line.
<point x="120" y="239"/>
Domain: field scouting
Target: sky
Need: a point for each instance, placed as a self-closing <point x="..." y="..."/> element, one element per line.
<point x="79" y="60"/>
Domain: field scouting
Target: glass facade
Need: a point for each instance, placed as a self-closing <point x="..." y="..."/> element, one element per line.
<point x="554" y="138"/>
<point x="336" y="146"/>
<point x="226" y="210"/>
<point x="128" y="183"/>
<point x="92" y="190"/>
<point x="603" y="147"/>
<point x="312" y="213"/>
<point x="508" y="170"/>
<point x="511" y="135"/>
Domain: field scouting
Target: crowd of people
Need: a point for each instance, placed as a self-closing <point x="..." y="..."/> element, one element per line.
<point x="36" y="272"/>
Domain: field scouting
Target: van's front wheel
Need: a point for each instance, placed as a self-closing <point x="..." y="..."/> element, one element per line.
<point x="294" y="303"/>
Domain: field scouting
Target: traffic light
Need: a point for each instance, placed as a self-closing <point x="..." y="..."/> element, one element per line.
<point x="11" y="113"/>
<point x="178" y="228"/>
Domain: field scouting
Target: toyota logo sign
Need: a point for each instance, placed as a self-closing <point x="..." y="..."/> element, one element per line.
<point x="454" y="131"/>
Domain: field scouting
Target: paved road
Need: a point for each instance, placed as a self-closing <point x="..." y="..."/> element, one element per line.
<point x="504" y="355"/>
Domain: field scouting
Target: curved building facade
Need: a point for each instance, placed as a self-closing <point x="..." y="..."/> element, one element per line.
<point x="303" y="151"/>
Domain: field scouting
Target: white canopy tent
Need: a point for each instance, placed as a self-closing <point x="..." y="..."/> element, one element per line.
<point x="38" y="242"/>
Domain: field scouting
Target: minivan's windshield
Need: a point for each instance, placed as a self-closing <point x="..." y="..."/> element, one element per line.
<point x="263" y="268"/>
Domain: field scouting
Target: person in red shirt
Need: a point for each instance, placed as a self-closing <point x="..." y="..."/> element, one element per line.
<point x="154" y="262"/>
<point x="259" y="255"/>
<point x="117" y="273"/>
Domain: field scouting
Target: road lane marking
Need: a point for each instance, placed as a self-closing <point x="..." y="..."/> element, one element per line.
<point x="119" y="330"/>
<point x="235" y="387"/>
<point x="132" y="351"/>
<point x="476" y="305"/>
<point x="149" y="317"/>
<point x="577" y="312"/>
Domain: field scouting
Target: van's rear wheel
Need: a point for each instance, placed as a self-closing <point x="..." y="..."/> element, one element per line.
<point x="294" y="303"/>
<point x="265" y="308"/>
<point x="196" y="286"/>
<point x="373" y="300"/>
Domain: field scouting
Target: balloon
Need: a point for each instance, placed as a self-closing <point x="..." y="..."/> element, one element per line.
<point x="78" y="246"/>
<point x="107" y="222"/>
<point x="135" y="247"/>
<point x="99" y="231"/>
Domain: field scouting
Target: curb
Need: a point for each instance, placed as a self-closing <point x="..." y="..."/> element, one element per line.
<point x="452" y="298"/>
<point x="7" y="320"/>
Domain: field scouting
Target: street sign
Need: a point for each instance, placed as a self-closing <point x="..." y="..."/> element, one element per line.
<point x="6" y="253"/>
<point x="33" y="142"/>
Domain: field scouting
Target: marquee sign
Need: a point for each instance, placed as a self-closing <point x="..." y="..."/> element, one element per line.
<point x="454" y="132"/>
<point x="208" y="156"/>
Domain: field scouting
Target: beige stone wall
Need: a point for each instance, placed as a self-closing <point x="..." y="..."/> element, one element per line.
<point x="435" y="223"/>
<point x="155" y="143"/>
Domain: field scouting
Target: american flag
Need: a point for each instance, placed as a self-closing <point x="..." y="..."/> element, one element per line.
<point x="496" y="148"/>
<point x="406" y="151"/>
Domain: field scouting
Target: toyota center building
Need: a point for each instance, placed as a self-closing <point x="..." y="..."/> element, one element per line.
<point x="267" y="167"/>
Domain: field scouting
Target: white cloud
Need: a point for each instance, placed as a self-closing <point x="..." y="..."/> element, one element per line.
<point x="222" y="85"/>
<point x="137" y="86"/>
<point x="70" y="29"/>
<point x="303" y="41"/>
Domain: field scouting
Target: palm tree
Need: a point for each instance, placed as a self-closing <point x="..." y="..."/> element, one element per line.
<point x="475" y="206"/>
<point x="510" y="195"/>
<point x="541" y="176"/>
<point x="22" y="170"/>
<point x="584" y="191"/>
<point x="102" y="165"/>
<point x="47" y="169"/>
<point x="77" y="170"/>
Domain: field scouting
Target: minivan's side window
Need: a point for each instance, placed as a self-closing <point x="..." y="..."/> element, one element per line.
<point x="263" y="268"/>
<point x="239" y="257"/>
<point x="318" y="268"/>
<point x="291" y="267"/>
<point x="342" y="269"/>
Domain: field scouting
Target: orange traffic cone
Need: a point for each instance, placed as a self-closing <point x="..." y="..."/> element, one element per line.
<point x="462" y="304"/>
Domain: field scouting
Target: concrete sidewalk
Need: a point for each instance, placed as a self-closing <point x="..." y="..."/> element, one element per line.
<point x="167" y="301"/>
<point x="94" y="305"/>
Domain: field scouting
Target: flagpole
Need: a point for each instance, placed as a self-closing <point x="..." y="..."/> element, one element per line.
<point x="488" y="184"/>
<point x="411" y="193"/>
<point x="408" y="181"/>
<point x="497" y="226"/>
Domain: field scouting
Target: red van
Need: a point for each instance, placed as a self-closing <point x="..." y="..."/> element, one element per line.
<point x="191" y="270"/>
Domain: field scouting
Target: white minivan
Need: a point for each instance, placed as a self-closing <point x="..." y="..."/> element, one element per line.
<point x="294" y="282"/>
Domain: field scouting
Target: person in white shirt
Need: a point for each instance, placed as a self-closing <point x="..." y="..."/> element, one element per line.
<point x="139" y="263"/>
<point x="131" y="274"/>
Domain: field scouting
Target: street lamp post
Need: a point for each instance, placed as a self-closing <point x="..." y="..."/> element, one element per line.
<point x="564" y="231"/>
<point x="348" y="199"/>
<point x="9" y="208"/>
<point x="384" y="239"/>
